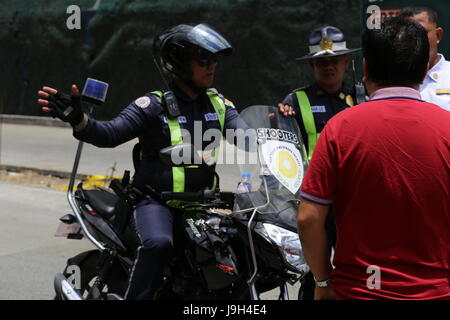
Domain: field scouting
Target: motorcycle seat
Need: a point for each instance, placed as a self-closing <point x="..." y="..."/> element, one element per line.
<point x="102" y="200"/>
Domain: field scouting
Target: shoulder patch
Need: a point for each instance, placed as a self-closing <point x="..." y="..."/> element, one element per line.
<point x="143" y="102"/>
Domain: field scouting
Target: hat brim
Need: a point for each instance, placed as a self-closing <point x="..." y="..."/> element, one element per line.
<point x="328" y="54"/>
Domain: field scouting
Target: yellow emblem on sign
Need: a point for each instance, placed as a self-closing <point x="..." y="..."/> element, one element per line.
<point x="326" y="44"/>
<point x="286" y="165"/>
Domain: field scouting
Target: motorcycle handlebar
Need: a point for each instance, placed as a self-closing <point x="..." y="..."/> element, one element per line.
<point x="118" y="188"/>
<point x="188" y="196"/>
<point x="227" y="197"/>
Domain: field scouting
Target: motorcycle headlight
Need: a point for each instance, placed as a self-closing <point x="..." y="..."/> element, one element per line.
<point x="290" y="246"/>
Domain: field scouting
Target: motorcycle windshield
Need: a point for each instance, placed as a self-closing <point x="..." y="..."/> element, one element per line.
<point x="274" y="163"/>
<point x="208" y="39"/>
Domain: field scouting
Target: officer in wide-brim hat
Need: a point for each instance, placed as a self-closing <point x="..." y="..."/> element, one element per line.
<point x="313" y="105"/>
<point x="316" y="103"/>
<point x="327" y="42"/>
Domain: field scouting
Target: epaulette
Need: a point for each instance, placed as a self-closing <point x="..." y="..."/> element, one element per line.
<point x="225" y="100"/>
<point x="158" y="98"/>
<point x="301" y="88"/>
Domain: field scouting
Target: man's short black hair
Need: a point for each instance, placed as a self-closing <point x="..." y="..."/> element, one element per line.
<point x="397" y="53"/>
<point x="410" y="11"/>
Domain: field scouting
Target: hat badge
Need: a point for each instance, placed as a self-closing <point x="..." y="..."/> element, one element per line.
<point x="326" y="44"/>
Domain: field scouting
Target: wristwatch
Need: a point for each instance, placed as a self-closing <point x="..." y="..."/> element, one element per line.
<point x="322" y="284"/>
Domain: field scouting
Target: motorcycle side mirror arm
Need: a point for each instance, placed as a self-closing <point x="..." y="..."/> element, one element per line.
<point x="181" y="155"/>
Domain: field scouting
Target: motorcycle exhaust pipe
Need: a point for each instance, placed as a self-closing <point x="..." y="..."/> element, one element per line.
<point x="63" y="288"/>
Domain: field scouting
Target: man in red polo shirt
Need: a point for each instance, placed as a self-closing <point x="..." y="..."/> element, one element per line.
<point x="385" y="166"/>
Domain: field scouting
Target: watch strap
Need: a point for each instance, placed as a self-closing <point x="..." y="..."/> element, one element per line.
<point x="323" y="283"/>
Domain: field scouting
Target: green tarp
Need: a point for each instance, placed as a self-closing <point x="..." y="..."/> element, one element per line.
<point x="114" y="45"/>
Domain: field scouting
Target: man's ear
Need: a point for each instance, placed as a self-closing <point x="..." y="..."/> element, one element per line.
<point x="439" y="34"/>
<point x="365" y="75"/>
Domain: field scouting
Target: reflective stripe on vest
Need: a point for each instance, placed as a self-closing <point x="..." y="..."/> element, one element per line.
<point x="178" y="174"/>
<point x="308" y="121"/>
<point x="220" y="109"/>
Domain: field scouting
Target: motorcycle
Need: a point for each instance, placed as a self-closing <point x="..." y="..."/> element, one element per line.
<point x="227" y="245"/>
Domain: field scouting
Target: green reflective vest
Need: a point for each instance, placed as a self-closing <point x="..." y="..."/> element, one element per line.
<point x="308" y="121"/>
<point x="178" y="173"/>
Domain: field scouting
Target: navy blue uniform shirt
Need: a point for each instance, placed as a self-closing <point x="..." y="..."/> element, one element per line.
<point x="323" y="105"/>
<point x="144" y="118"/>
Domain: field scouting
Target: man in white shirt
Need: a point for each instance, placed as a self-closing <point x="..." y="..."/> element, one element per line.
<point x="436" y="85"/>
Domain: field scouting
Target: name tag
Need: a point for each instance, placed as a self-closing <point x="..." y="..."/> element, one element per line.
<point x="181" y="119"/>
<point x="211" y="117"/>
<point x="442" y="91"/>
<point x="316" y="109"/>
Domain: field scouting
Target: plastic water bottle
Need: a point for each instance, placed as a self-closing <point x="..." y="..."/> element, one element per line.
<point x="244" y="185"/>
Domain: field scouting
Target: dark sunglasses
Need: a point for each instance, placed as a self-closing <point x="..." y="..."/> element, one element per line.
<point x="206" y="59"/>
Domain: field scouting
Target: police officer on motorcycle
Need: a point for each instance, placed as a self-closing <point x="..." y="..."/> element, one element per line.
<point x="188" y="56"/>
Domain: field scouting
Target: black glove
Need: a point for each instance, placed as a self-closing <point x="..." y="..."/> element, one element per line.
<point x="65" y="107"/>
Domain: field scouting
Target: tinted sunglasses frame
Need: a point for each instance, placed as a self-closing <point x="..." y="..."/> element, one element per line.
<point x="204" y="61"/>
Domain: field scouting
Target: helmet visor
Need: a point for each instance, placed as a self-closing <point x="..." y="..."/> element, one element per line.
<point x="209" y="39"/>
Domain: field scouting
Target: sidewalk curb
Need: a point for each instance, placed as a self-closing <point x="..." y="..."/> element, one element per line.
<point x="32" y="120"/>
<point x="59" y="174"/>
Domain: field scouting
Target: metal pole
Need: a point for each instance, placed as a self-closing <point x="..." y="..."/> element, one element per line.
<point x="71" y="196"/>
<point x="73" y="175"/>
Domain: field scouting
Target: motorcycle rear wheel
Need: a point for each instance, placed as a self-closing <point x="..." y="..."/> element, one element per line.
<point x="87" y="264"/>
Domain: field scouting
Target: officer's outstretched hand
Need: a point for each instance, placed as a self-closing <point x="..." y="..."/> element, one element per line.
<point x="286" y="110"/>
<point x="61" y="105"/>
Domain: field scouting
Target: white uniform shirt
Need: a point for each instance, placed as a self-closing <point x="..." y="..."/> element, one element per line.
<point x="436" y="85"/>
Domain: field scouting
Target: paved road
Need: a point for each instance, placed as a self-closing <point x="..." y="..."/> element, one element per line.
<point x="29" y="254"/>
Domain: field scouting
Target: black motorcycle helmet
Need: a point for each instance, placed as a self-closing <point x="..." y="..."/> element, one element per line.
<point x="173" y="49"/>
